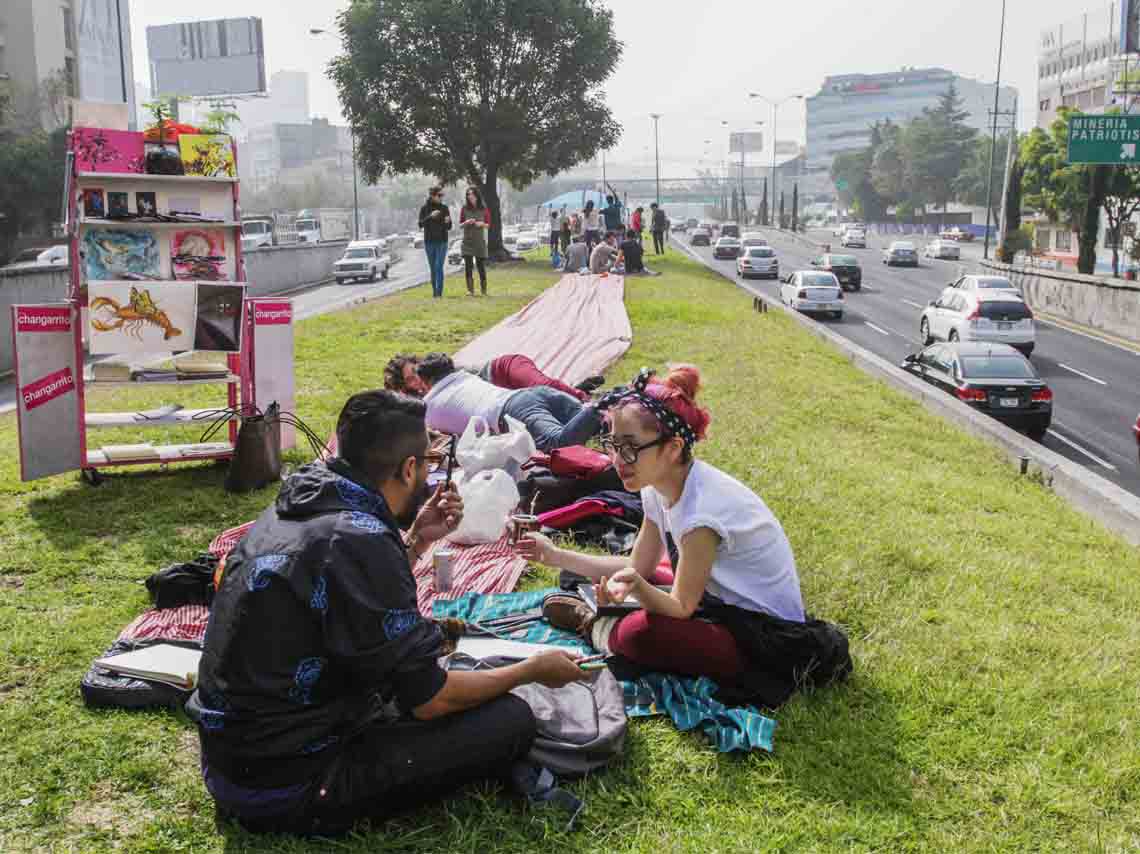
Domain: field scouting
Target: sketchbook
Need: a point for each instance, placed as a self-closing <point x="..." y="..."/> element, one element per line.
<point x="166" y="663"/>
<point x="586" y="591"/>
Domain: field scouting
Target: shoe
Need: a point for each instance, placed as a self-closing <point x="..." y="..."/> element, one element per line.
<point x="568" y="612"/>
<point x="590" y="383"/>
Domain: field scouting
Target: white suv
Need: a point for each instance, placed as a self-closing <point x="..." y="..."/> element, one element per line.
<point x="854" y="238"/>
<point x="363" y="259"/>
<point x="995" y="315"/>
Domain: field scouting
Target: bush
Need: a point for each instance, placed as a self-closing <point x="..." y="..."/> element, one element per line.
<point x="1020" y="240"/>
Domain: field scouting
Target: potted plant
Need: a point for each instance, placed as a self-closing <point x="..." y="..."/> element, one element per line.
<point x="161" y="159"/>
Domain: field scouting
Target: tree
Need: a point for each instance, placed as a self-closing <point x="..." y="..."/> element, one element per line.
<point x="735" y="206"/>
<point x="782" y="223"/>
<point x="477" y="90"/>
<point x="795" y="207"/>
<point x="744" y="212"/>
<point x="974" y="179"/>
<point x="31" y="184"/>
<point x="764" y="205"/>
<point x="937" y="146"/>
<point x="1121" y="201"/>
<point x="1050" y="183"/>
<point x="1097" y="178"/>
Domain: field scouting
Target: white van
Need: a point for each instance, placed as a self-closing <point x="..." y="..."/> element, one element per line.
<point x="363" y="259"/>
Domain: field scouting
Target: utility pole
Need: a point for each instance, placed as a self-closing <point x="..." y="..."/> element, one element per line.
<point x="1012" y="141"/>
<point x="775" y="105"/>
<point x="657" y="153"/>
<point x="993" y="134"/>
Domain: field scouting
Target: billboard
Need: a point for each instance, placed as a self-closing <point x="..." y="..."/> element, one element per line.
<point x="1129" y="26"/>
<point x="204" y="58"/>
<point x="746" y="142"/>
<point x="103" y="53"/>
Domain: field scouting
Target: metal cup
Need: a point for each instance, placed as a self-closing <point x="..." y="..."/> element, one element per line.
<point x="524" y="523"/>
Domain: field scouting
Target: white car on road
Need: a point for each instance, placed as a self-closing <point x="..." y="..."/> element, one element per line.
<point x="813" y="292"/>
<point x="854" y="238"/>
<point x="52" y="256"/>
<point x="992" y="315"/>
<point x="986" y="284"/>
<point x="363" y="259"/>
<point x="942" y="249"/>
<point x="752" y="238"/>
<point x="758" y="261"/>
<point x="526" y="241"/>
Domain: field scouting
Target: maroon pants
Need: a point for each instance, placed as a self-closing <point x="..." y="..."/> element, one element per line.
<point x="690" y="647"/>
<point x="519" y="371"/>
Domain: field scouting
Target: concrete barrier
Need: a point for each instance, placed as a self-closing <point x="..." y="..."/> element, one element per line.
<point x="21" y="286"/>
<point x="1107" y="305"/>
<point x="278" y="269"/>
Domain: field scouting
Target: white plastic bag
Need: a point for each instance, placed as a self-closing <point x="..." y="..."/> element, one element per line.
<point x="479" y="449"/>
<point x="489" y="497"/>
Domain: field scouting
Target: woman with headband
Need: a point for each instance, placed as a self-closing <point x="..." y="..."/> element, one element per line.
<point x="734" y="612"/>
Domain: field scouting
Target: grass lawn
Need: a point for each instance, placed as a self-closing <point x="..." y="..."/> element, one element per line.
<point x="995" y="631"/>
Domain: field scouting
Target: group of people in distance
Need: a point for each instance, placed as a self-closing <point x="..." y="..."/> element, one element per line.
<point x="321" y="698"/>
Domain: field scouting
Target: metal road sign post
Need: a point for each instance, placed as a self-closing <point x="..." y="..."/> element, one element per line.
<point x="1112" y="140"/>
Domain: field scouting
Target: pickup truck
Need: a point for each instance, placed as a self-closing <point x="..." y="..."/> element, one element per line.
<point x="363" y="259"/>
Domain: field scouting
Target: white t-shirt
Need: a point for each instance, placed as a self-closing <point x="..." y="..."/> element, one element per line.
<point x="455" y="399"/>
<point x="591" y="220"/>
<point x="754" y="567"/>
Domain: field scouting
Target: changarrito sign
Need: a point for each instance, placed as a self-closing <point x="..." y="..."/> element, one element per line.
<point x="1107" y="140"/>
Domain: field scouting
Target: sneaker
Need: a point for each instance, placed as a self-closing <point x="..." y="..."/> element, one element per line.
<point x="567" y="612"/>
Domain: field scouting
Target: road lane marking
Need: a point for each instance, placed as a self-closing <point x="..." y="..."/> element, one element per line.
<point x="1081" y="450"/>
<point x="1101" y="339"/>
<point x="878" y="329"/>
<point x="1081" y="374"/>
<point x="911" y="302"/>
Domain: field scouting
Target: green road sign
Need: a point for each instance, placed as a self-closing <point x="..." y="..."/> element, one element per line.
<point x="1108" y="140"/>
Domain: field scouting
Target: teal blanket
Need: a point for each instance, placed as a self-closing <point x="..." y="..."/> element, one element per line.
<point x="688" y="702"/>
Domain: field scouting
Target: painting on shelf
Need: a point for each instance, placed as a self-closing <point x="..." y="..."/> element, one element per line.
<point x="219" y="317"/>
<point x="140" y="317"/>
<point x="198" y="253"/>
<point x="110" y="253"/>
<point x="103" y="150"/>
<point x="93" y="204"/>
<point x="208" y="155"/>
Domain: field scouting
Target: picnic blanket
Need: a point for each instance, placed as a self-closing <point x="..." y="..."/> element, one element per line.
<point x="573" y="330"/>
<point x="688" y="702"/>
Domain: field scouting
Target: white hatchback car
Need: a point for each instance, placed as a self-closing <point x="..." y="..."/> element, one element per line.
<point x="942" y="249"/>
<point x="752" y="238"/>
<point x="993" y="315"/>
<point x="759" y="261"/>
<point x="813" y="292"/>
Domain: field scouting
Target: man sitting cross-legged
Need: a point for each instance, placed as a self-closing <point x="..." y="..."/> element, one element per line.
<point x="320" y="700"/>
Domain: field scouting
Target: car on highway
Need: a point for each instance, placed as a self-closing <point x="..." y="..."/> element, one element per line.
<point x="700" y="236"/>
<point x="363" y="259"/>
<point x="727" y="247"/>
<point x="813" y="292"/>
<point x="999" y="317"/>
<point x="752" y="238"/>
<point x="854" y="238"/>
<point x="455" y="252"/>
<point x="957" y="235"/>
<point x="942" y="249"/>
<point x="50" y="256"/>
<point x="985" y="283"/>
<point x="901" y="252"/>
<point x="758" y="262"/>
<point x="679" y="226"/>
<point x="692" y="222"/>
<point x="526" y="241"/>
<point x="845" y="267"/>
<point x="992" y="378"/>
<point x="730" y="229"/>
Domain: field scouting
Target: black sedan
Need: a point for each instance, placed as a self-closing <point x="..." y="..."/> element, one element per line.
<point x="845" y="267"/>
<point x="992" y="378"/>
<point x="902" y="253"/>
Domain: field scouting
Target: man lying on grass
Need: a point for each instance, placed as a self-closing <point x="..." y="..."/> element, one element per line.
<point x="320" y="700"/>
<point x="734" y="611"/>
<point x="513" y="371"/>
<point x="554" y="418"/>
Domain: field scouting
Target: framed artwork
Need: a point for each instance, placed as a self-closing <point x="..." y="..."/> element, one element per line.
<point x="198" y="254"/>
<point x="93" y="206"/>
<point x="120" y="253"/>
<point x="146" y="204"/>
<point x="219" y="317"/>
<point x="103" y="150"/>
<point x="140" y="317"/>
<point x="208" y="155"/>
<point x="117" y="205"/>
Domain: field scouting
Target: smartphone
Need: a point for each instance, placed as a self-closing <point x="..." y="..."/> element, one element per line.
<point x="450" y="462"/>
<point x="590" y="666"/>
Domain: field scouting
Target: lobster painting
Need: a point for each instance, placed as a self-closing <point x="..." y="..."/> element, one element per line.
<point x="140" y="310"/>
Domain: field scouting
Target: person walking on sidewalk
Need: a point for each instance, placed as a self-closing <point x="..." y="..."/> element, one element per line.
<point x="659" y="223"/>
<point x="564" y="227"/>
<point x="591" y="225"/>
<point x="475" y="219"/>
<point x="435" y="220"/>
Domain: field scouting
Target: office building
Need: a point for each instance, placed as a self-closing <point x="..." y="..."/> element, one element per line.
<point x="273" y="151"/>
<point x="840" y="116"/>
<point x="1075" y="62"/>
<point x="287" y="102"/>
<point x="86" y="43"/>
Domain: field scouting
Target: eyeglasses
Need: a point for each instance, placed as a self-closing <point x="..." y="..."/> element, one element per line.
<point x="629" y="453"/>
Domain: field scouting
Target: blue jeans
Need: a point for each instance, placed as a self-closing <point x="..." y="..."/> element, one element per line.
<point x="552" y="417"/>
<point x="436" y="251"/>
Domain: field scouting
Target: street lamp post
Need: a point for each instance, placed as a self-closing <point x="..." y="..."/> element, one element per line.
<point x="657" y="154"/>
<point x="355" y="182"/>
<point x="775" y="105"/>
<point x="993" y="135"/>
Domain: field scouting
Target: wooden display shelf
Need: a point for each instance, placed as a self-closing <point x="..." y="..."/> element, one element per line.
<point x="134" y="223"/>
<point x="166" y="454"/>
<point x="140" y="419"/>
<point x="232" y="378"/>
<point x="146" y="177"/>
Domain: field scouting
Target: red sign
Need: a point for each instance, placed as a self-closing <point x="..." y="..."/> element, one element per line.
<point x="43" y="319"/>
<point x="270" y="313"/>
<point x="48" y="388"/>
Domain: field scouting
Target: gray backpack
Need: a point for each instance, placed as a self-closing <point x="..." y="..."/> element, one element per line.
<point x="581" y="726"/>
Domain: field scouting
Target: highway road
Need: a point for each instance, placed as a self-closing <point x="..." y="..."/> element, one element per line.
<point x="1096" y="384"/>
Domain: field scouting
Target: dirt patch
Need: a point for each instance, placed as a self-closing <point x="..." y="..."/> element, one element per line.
<point x="110" y="810"/>
<point x="11" y="582"/>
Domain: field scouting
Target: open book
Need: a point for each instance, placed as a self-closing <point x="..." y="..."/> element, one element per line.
<point x="163" y="662"/>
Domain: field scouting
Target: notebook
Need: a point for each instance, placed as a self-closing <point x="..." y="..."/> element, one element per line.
<point x="166" y="663"/>
<point x="586" y="591"/>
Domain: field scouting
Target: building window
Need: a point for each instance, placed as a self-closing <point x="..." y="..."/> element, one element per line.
<point x="1064" y="241"/>
<point x="1043" y="240"/>
<point x="68" y="41"/>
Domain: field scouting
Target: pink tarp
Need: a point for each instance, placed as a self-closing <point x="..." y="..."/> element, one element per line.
<point x="574" y="330"/>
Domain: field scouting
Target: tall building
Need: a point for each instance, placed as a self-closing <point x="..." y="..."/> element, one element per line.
<point x="840" y="116"/>
<point x="272" y="151"/>
<point x="287" y="102"/>
<point x="1075" y="62"/>
<point x="87" y="41"/>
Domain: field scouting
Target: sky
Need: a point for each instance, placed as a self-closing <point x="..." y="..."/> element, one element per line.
<point x="695" y="63"/>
